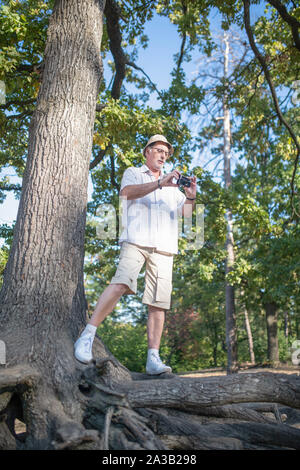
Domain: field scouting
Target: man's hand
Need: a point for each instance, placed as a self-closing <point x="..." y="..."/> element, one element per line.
<point x="191" y="192"/>
<point x="167" y="180"/>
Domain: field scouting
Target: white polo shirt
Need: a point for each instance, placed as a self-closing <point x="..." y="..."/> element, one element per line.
<point x="151" y="220"/>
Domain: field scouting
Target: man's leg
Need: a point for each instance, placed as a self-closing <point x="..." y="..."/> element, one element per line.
<point x="107" y="302"/>
<point x="124" y="281"/>
<point x="155" y="325"/>
<point x="105" y="305"/>
<point x="157" y="295"/>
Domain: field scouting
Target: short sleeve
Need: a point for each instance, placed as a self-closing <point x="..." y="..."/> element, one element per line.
<point x="129" y="177"/>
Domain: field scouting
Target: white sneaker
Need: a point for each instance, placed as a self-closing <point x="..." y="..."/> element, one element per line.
<point x="83" y="348"/>
<point x="155" y="365"/>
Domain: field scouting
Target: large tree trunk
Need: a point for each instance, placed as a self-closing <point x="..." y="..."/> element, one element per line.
<point x="63" y="404"/>
<point x="231" y="335"/>
<point x="43" y="293"/>
<point x="42" y="300"/>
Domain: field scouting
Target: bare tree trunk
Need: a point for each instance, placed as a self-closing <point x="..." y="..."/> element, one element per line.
<point x="249" y="336"/>
<point x="248" y="328"/>
<point x="271" y="319"/>
<point x="231" y="335"/>
<point x="286" y="326"/>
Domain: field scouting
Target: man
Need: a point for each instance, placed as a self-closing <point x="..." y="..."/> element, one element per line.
<point x="150" y="235"/>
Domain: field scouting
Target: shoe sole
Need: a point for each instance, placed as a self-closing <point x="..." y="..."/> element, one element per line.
<point x="83" y="362"/>
<point x="158" y="373"/>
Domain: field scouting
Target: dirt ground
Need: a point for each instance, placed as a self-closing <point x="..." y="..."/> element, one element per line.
<point x="281" y="369"/>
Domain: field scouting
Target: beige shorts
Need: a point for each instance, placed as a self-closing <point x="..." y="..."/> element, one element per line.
<point x="158" y="275"/>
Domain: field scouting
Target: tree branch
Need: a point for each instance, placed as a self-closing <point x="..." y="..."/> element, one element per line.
<point x="291" y="20"/>
<point x="10" y="187"/>
<point x="182" y="46"/>
<point x="133" y="65"/>
<point x="17" y="102"/>
<point x="112" y="14"/>
<point x="180" y="59"/>
<point x="282" y="120"/>
<point x="99" y="157"/>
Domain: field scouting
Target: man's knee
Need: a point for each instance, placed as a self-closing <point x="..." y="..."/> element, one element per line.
<point x="120" y="289"/>
<point x="156" y="310"/>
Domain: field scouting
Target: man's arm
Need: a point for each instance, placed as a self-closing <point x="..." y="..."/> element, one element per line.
<point x="190" y="202"/>
<point x="135" y="191"/>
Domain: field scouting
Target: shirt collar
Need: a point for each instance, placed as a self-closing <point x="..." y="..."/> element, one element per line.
<point x="145" y="169"/>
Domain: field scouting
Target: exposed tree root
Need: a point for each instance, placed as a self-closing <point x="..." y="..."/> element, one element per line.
<point x="242" y="411"/>
<point x="196" y="393"/>
<point x="71" y="435"/>
<point x="220" y="434"/>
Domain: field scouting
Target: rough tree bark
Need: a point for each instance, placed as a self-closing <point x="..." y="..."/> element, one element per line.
<point x="231" y="334"/>
<point x="66" y="405"/>
<point x="42" y="300"/>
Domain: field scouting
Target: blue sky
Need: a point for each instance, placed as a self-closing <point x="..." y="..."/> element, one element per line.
<point x="157" y="61"/>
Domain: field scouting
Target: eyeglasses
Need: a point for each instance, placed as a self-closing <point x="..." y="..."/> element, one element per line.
<point x="161" y="151"/>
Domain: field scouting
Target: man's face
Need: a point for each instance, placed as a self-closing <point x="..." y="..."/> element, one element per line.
<point x="157" y="155"/>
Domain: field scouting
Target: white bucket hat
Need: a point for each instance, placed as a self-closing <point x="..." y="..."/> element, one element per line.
<point x="158" y="138"/>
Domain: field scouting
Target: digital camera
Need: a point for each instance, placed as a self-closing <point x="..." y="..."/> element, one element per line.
<point x="184" y="181"/>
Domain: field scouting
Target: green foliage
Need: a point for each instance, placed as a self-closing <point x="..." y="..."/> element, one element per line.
<point x="22" y="40"/>
<point x="127" y="342"/>
<point x="127" y="125"/>
<point x="191" y="19"/>
<point x="3" y="260"/>
<point x="267" y="249"/>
